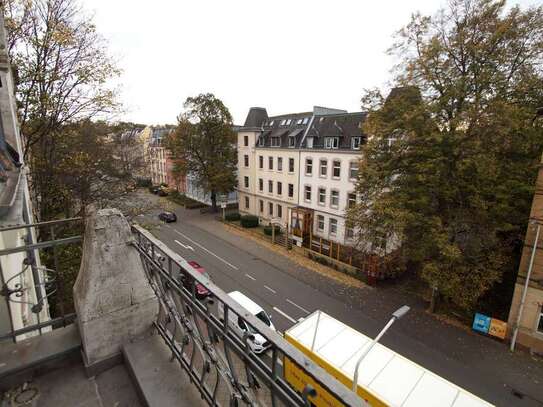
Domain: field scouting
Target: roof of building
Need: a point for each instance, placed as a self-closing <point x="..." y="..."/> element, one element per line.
<point x="344" y="126"/>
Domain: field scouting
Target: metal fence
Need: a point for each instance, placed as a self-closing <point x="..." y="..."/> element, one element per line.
<point x="37" y="275"/>
<point x="220" y="361"/>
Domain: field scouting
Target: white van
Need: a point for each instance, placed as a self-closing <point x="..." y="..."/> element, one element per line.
<point x="256" y="341"/>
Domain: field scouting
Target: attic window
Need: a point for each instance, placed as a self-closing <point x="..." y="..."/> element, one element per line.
<point x="355" y="143"/>
<point x="321" y="119"/>
<point x="306" y="120"/>
<point x="276" y="141"/>
<point x="299" y="121"/>
<point x="331" y="142"/>
<point x="271" y="123"/>
<point x="288" y="122"/>
<point x="292" y="142"/>
<point x="283" y="122"/>
<point x="261" y="141"/>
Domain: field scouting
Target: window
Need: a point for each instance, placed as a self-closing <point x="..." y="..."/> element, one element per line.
<point x="272" y="122"/>
<point x="322" y="196"/>
<point x="283" y="122"/>
<point x="323" y="168"/>
<point x="308" y="166"/>
<point x="355" y="143"/>
<point x="307" y="191"/>
<point x="270" y="163"/>
<point x="260" y="162"/>
<point x="292" y="141"/>
<point x="270" y="187"/>
<point x="353" y="169"/>
<point x="320" y="223"/>
<point x="279" y="163"/>
<point x="336" y="169"/>
<point x="279" y="211"/>
<point x="246" y="202"/>
<point x="270" y="209"/>
<point x="291" y="165"/>
<point x="349" y="232"/>
<point x="540" y="322"/>
<point x="333" y="226"/>
<point x="261" y="204"/>
<point x="246" y="182"/>
<point x="279" y="188"/>
<point x="288" y="122"/>
<point x="306" y="120"/>
<point x="261" y="141"/>
<point x="276" y="141"/>
<point x="351" y="200"/>
<point x="246" y="160"/>
<point x="246" y="141"/>
<point x="310" y="142"/>
<point x="290" y="190"/>
<point x="331" y="142"/>
<point x="260" y="184"/>
<point x="334" y="198"/>
<point x="299" y="121"/>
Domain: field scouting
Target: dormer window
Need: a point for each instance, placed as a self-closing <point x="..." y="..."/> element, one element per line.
<point x="355" y="143"/>
<point x="310" y="142"/>
<point x="276" y="141"/>
<point x="331" y="143"/>
<point x="261" y="141"/>
<point x="292" y="142"/>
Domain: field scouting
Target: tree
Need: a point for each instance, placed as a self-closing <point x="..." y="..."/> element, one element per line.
<point x="203" y="144"/>
<point x="448" y="171"/>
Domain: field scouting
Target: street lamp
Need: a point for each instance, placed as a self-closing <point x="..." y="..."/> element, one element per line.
<point x="400" y="312"/>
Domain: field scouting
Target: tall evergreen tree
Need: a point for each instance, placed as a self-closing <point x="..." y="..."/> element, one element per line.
<point x="446" y="177"/>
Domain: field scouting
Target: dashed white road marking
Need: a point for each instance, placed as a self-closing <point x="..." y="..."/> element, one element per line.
<point x="270" y="289"/>
<point x="297" y="306"/>
<point x="285" y="315"/>
<point x="184" y="246"/>
<point x="251" y="277"/>
<point x="203" y="248"/>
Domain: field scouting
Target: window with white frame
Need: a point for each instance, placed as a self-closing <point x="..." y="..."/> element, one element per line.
<point x="307" y="193"/>
<point x="322" y="196"/>
<point x="336" y="169"/>
<point x="353" y="169"/>
<point x="246" y="182"/>
<point x="261" y="141"/>
<point x="309" y="142"/>
<point x="334" y="198"/>
<point x="290" y="190"/>
<point x="270" y="208"/>
<point x="333" y="226"/>
<point x="355" y="143"/>
<point x="308" y="166"/>
<point x="261" y="162"/>
<point x="270" y="187"/>
<point x="260" y="184"/>
<point x="349" y="232"/>
<point x="306" y="120"/>
<point x="331" y="142"/>
<point x="246" y="141"/>
<point x="279" y="163"/>
<point x="246" y="160"/>
<point x="270" y="163"/>
<point x="279" y="188"/>
<point x="279" y="211"/>
<point x="291" y="165"/>
<point x="320" y="223"/>
<point x="351" y="200"/>
<point x="276" y="142"/>
<point x="291" y="142"/>
<point x="246" y="202"/>
<point x="323" y="168"/>
<point x="261" y="205"/>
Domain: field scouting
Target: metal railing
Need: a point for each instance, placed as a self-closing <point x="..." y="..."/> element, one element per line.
<point x="38" y="275"/>
<point x="219" y="360"/>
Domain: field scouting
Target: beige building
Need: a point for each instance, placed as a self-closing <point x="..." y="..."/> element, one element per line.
<point x="530" y="328"/>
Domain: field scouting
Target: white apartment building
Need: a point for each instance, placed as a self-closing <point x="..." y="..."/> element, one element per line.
<point x="306" y="161"/>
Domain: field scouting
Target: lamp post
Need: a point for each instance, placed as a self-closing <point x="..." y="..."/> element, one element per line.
<point x="525" y="289"/>
<point x="400" y="312"/>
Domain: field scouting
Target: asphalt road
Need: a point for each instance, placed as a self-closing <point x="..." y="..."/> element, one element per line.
<point x="287" y="299"/>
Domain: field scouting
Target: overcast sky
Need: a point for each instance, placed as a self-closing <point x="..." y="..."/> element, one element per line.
<point x="283" y="55"/>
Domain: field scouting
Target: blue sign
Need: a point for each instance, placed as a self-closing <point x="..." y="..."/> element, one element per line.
<point x="481" y="323"/>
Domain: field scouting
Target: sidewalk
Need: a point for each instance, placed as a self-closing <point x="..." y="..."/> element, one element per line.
<point x="519" y="371"/>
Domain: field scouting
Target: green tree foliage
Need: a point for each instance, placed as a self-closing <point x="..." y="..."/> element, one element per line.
<point x="204" y="145"/>
<point x="446" y="177"/>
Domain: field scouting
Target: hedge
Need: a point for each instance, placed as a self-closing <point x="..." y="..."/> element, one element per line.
<point x="232" y="216"/>
<point x="268" y="230"/>
<point x="249" y="221"/>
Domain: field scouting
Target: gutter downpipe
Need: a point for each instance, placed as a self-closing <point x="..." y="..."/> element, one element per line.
<point x="525" y="290"/>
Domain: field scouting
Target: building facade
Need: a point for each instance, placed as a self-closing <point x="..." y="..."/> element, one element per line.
<point x="302" y="162"/>
<point x="159" y="160"/>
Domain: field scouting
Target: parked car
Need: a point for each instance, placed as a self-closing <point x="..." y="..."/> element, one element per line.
<point x="257" y="342"/>
<point x="167" y="217"/>
<point x="201" y="291"/>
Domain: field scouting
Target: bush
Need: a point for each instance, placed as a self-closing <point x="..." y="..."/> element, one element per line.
<point x="143" y="182"/>
<point x="249" y="221"/>
<point x="268" y="230"/>
<point x="232" y="216"/>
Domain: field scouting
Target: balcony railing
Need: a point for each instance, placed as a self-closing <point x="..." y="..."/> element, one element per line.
<point x="37" y="275"/>
<point x="219" y="361"/>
